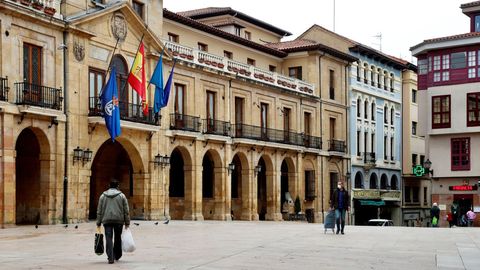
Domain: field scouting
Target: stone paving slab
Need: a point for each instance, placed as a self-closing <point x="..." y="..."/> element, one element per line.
<point x="245" y="245"/>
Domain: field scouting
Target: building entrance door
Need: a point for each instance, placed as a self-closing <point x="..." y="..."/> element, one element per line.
<point x="464" y="202"/>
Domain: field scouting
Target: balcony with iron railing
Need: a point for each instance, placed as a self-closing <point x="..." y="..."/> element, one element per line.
<point x="369" y="158"/>
<point x="128" y="112"/>
<point x="216" y="127"/>
<point x="4" y="89"/>
<point x="337" y="146"/>
<point x="227" y="65"/>
<point x="48" y="7"/>
<point x="185" y="122"/>
<point x="38" y="95"/>
<point x="275" y="136"/>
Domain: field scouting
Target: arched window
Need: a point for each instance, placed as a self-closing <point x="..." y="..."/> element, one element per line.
<point x="358" y="180"/>
<point x="365" y="73"/>
<point x="122" y="73"/>
<point x="379" y="81"/>
<point x="385" y="112"/>
<point x="365" y="109"/>
<point x="384" y="182"/>
<point x="372" y="76"/>
<point x="394" y="182"/>
<point x="392" y="81"/>
<point x="358" y="70"/>
<point x="359" y="112"/>
<point x="385" y="80"/>
<point x="392" y="115"/>
<point x="374" y="110"/>
<point x="373" y="181"/>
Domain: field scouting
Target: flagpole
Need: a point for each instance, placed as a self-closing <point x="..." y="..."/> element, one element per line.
<point x="109" y="64"/>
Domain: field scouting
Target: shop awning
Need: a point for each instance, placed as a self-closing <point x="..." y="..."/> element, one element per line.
<point x="372" y="203"/>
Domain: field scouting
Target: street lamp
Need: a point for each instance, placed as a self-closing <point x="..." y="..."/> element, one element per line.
<point x="231" y="168"/>
<point x="166" y="160"/>
<point x="258" y="169"/>
<point x="87" y="155"/>
<point x="427" y="164"/>
<point x="157" y="160"/>
<point x="77" y="154"/>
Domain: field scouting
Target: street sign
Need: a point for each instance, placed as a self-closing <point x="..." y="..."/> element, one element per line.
<point x="419" y="170"/>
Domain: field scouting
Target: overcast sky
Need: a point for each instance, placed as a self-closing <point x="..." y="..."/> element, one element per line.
<point x="402" y="23"/>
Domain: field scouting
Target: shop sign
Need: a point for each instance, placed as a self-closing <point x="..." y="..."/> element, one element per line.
<point x="463" y="188"/>
<point x="366" y="194"/>
<point x="419" y="170"/>
<point x="391" y="195"/>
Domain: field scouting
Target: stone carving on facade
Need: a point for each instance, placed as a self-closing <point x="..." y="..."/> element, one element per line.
<point x="119" y="26"/>
<point x="78" y="51"/>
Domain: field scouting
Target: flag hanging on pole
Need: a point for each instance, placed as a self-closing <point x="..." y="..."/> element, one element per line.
<point x="136" y="78"/>
<point x="157" y="80"/>
<point x="110" y="109"/>
<point x="166" y="91"/>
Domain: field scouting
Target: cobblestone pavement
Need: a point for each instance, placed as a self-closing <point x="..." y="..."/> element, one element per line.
<point x="245" y="245"/>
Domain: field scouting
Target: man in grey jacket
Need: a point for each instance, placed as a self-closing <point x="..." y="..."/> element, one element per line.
<point x="113" y="212"/>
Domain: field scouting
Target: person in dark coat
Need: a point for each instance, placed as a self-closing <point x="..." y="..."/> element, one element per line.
<point x="341" y="203"/>
<point x="435" y="213"/>
<point x="113" y="212"/>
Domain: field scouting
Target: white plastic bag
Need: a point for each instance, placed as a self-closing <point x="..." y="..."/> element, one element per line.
<point x="128" y="245"/>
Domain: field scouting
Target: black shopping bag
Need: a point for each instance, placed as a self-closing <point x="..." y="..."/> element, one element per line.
<point x="99" y="247"/>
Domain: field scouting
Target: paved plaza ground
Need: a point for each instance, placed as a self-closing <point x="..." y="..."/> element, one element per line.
<point x="245" y="245"/>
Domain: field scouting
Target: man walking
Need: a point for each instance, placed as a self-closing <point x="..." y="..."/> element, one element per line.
<point x="341" y="203"/>
<point x="435" y="214"/>
<point x="113" y="212"/>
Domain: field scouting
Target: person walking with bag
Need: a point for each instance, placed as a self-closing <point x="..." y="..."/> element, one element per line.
<point x="435" y="214"/>
<point x="341" y="203"/>
<point x="113" y="213"/>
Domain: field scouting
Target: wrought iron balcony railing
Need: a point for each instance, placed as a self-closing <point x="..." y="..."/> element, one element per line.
<point x="128" y="112"/>
<point x="337" y="146"/>
<point x="4" y="89"/>
<point x="185" y="122"/>
<point x="369" y="158"/>
<point x="275" y="135"/>
<point x="211" y="126"/>
<point x="38" y="95"/>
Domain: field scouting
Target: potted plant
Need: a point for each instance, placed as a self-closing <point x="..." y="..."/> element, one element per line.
<point x="49" y="10"/>
<point x="26" y="2"/>
<point x="36" y="4"/>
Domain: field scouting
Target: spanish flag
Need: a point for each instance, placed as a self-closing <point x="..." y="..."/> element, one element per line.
<point x="136" y="78"/>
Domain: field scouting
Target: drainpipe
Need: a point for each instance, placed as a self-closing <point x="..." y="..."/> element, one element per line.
<point x="321" y="128"/>
<point x="65" y="111"/>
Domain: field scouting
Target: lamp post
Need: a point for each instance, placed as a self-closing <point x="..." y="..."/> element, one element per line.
<point x="257" y="169"/>
<point x="231" y="168"/>
<point x="77" y="154"/>
<point x="427" y="164"/>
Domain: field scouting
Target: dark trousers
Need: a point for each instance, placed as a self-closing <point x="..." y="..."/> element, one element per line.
<point x="340" y="218"/>
<point x="114" y="247"/>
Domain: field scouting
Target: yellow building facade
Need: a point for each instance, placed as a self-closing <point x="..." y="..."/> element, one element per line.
<point x="248" y="127"/>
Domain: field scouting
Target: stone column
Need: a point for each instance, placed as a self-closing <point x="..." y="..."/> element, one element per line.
<point x="197" y="192"/>
<point x="220" y="209"/>
<point x="189" y="205"/>
<point x="7" y="171"/>
<point x="247" y="195"/>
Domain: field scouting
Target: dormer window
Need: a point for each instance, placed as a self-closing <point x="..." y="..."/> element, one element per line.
<point x="477" y="23"/>
<point x="237" y="30"/>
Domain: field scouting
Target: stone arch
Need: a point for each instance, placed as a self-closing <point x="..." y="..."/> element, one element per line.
<point x="180" y="185"/>
<point x="373" y="181"/>
<point x="121" y="160"/>
<point x="384" y="181"/>
<point x="213" y="186"/>
<point x="358" y="180"/>
<point x="240" y="186"/>
<point x="33" y="182"/>
<point x="394" y="182"/>
<point x="287" y="180"/>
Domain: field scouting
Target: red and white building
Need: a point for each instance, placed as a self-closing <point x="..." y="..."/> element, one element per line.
<point x="449" y="114"/>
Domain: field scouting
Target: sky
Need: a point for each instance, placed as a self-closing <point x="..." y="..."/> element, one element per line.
<point x="402" y="23"/>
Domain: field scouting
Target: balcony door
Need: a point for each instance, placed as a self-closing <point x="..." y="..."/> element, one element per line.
<point x="179" y="106"/>
<point x="306" y="128"/>
<point x="264" y="120"/>
<point x="122" y="73"/>
<point x="210" y="111"/>
<point x="32" y="73"/>
<point x="238" y="116"/>
<point x="286" y="124"/>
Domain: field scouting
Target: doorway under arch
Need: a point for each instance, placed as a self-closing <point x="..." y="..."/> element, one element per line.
<point x="262" y="190"/>
<point x="239" y="188"/>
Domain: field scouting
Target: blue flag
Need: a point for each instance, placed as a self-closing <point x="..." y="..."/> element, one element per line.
<point x="166" y="91"/>
<point x="157" y="80"/>
<point x="110" y="109"/>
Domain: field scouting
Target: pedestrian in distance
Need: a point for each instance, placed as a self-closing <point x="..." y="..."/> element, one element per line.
<point x="471" y="217"/>
<point x="113" y="213"/>
<point x="435" y="214"/>
<point x="450" y="219"/>
<point x="341" y="203"/>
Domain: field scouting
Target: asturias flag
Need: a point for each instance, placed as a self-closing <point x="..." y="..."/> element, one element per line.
<point x="111" y="111"/>
<point x="136" y="78"/>
<point x="157" y="80"/>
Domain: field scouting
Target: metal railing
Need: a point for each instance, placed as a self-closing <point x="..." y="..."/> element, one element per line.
<point x="212" y="126"/>
<point x="185" y="122"/>
<point x="312" y="141"/>
<point x="4" y="89"/>
<point x="128" y="112"/>
<point x="38" y="95"/>
<point x="337" y="146"/>
<point x="369" y="158"/>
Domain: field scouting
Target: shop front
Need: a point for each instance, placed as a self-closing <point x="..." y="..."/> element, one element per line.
<point x="371" y="204"/>
<point x="457" y="196"/>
